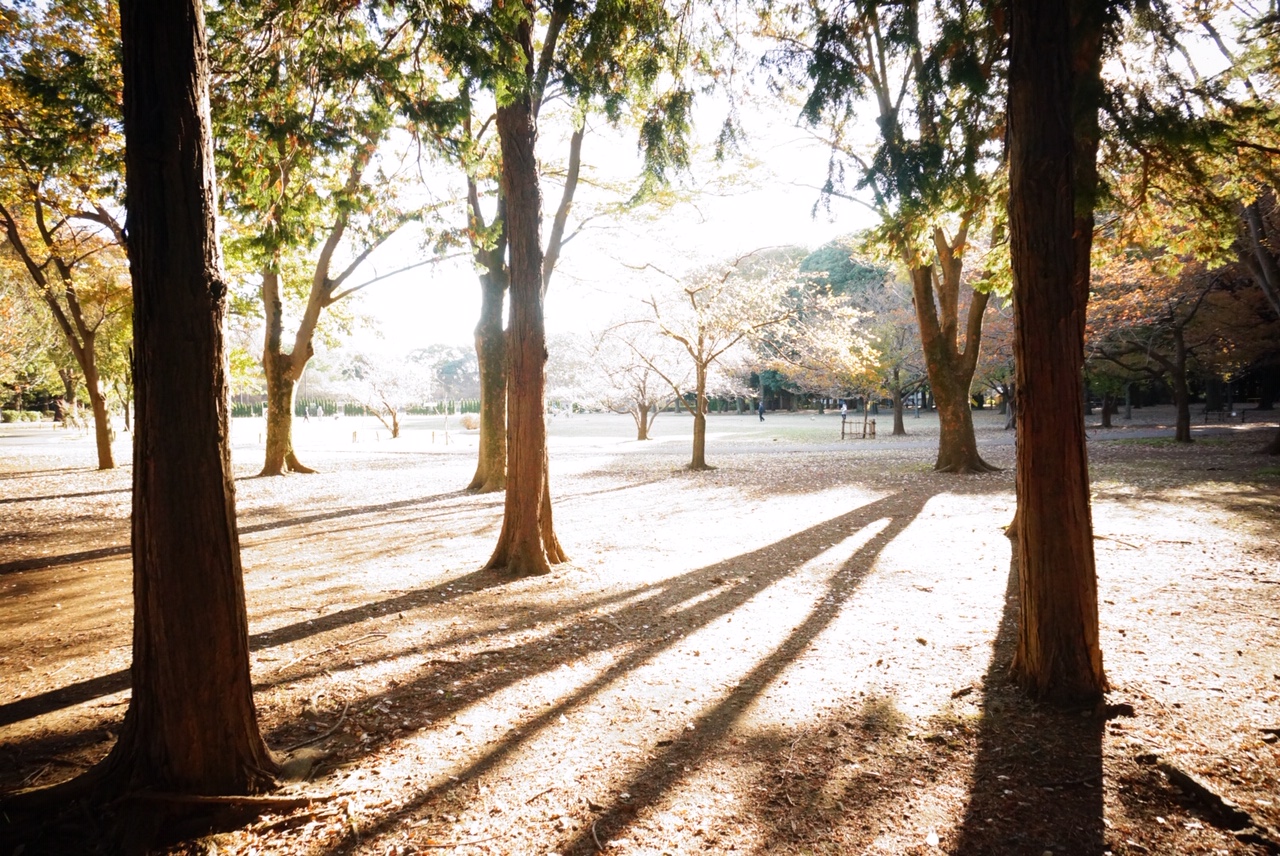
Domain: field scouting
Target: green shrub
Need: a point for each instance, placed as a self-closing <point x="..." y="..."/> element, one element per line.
<point x="10" y="415"/>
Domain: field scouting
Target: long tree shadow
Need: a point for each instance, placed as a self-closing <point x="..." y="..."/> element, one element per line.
<point x="1037" y="776"/>
<point x="61" y="496"/>
<point x="672" y="610"/>
<point x="680" y="602"/>
<point x="667" y="767"/>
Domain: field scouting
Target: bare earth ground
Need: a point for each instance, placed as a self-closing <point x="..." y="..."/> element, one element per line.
<point x="800" y="652"/>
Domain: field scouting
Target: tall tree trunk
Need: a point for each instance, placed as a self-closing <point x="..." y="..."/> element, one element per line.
<point x="1052" y="180"/>
<point x="191" y="726"/>
<point x="491" y="355"/>
<point x="950" y="369"/>
<point x="1107" y="404"/>
<point x="527" y="543"/>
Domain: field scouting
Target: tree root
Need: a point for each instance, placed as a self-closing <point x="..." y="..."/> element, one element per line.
<point x="256" y="802"/>
<point x="1224" y="812"/>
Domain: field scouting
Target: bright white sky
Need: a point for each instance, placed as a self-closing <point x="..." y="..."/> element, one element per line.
<point x="766" y="202"/>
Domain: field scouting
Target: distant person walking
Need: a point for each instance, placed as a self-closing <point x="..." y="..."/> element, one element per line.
<point x="760" y="409"/>
<point x="844" y="410"/>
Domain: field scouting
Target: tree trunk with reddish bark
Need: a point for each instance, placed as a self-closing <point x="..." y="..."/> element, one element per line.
<point x="491" y="355"/>
<point x="191" y="727"/>
<point x="1052" y="148"/>
<point x="527" y="543"/>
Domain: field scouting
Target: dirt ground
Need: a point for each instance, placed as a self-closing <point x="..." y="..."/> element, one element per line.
<point x="800" y="652"/>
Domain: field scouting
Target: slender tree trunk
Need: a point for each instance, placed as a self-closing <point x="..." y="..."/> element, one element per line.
<point x="699" y="460"/>
<point x="97" y="402"/>
<point x="1107" y="402"/>
<point x="491" y="348"/>
<point x="280" y="457"/>
<point x="1058" y="657"/>
<point x="527" y="543"/>
<point x="1128" y="401"/>
<point x="1181" y="392"/>
<point x="899" y="427"/>
<point x="191" y="726"/>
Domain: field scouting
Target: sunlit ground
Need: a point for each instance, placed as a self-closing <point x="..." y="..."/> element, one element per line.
<point x="791" y="653"/>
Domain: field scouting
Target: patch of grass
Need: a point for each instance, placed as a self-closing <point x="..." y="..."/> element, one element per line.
<point x="1269" y="471"/>
<point x="880" y="715"/>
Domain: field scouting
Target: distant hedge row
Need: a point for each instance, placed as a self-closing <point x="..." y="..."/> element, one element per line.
<point x="23" y="415"/>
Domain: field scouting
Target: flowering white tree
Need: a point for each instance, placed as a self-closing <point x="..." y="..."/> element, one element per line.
<point x="633" y="363"/>
<point x="711" y="313"/>
<point x="385" y="387"/>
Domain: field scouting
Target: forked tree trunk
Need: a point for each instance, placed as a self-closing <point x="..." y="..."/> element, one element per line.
<point x="491" y="348"/>
<point x="281" y="386"/>
<point x="643" y="414"/>
<point x="950" y="369"/>
<point x="191" y="727"/>
<point x="1052" y="180"/>
<point x="527" y="543"/>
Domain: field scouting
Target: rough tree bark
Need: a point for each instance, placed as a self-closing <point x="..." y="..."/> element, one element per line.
<point x="1055" y="56"/>
<point x="191" y="726"/>
<point x="950" y="369"/>
<point x="527" y="543"/>
<point x="491" y="357"/>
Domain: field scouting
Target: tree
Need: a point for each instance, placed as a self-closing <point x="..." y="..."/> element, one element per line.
<point x="1162" y="319"/>
<point x="191" y="726"/>
<point x="385" y="388"/>
<point x="710" y="313"/>
<point x="1054" y="83"/>
<point x="595" y="60"/>
<point x="60" y="166"/>
<point x="995" y="369"/>
<point x="932" y="180"/>
<point x="634" y="363"/>
<point x="306" y="176"/>
<point x="594" y="54"/>
<point x="895" y="363"/>
<point x="454" y="370"/>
